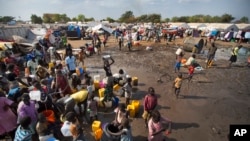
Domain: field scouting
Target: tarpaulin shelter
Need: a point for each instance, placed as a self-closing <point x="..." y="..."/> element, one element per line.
<point x="247" y="35"/>
<point x="102" y="27"/>
<point x="73" y="31"/>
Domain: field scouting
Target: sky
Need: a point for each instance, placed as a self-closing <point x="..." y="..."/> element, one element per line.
<point x="101" y="9"/>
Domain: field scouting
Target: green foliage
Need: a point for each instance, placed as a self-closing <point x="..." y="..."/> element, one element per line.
<point x="35" y="19"/>
<point x="244" y="20"/>
<point x="226" y="18"/>
<point x="6" y="19"/>
<point x="52" y="18"/>
<point x="127" y="17"/>
<point x="81" y="17"/>
<point x="110" y="20"/>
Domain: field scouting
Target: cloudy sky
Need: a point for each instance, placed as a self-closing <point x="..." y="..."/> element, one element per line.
<point x="101" y="9"/>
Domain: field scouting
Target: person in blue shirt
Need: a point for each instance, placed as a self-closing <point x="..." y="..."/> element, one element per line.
<point x="23" y="132"/>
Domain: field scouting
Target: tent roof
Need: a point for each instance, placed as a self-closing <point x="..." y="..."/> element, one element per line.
<point x="183" y="25"/>
<point x="197" y="25"/>
<point x="243" y="26"/>
<point x="101" y="26"/>
<point x="222" y="26"/>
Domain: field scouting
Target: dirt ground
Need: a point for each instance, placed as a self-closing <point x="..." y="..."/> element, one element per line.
<point x="216" y="97"/>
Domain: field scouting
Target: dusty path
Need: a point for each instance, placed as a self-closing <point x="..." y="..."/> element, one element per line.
<point x="216" y="98"/>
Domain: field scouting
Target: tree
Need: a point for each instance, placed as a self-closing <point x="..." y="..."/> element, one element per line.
<point x="81" y="17"/>
<point x="74" y="19"/>
<point x="6" y="19"/>
<point x="142" y="18"/>
<point x="35" y="19"/>
<point x="226" y="18"/>
<point x="110" y="20"/>
<point x="127" y="17"/>
<point x="175" y="19"/>
<point x="216" y="19"/>
<point x="166" y="20"/>
<point x="244" y="19"/>
<point x="89" y="19"/>
<point x="154" y="18"/>
<point x="48" y="18"/>
<point x="64" y="18"/>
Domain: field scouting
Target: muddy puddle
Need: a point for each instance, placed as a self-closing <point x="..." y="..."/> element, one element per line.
<point x="225" y="54"/>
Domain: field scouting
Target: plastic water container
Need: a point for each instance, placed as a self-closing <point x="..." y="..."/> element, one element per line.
<point x="49" y="114"/>
<point x="136" y="104"/>
<point x="131" y="109"/>
<point x="101" y="84"/>
<point x="98" y="134"/>
<point x="101" y="92"/>
<point x="116" y="87"/>
<point x="96" y="84"/>
<point x="135" y="81"/>
<point x="96" y="125"/>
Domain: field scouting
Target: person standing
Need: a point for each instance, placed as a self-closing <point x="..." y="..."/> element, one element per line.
<point x="70" y="61"/>
<point x="23" y="132"/>
<point x="177" y="85"/>
<point x="128" y="90"/>
<point x="150" y="102"/>
<point x="26" y="108"/>
<point x="234" y="54"/>
<point x="32" y="65"/>
<point x="7" y="117"/>
<point x="211" y="54"/>
<point x="107" y="66"/>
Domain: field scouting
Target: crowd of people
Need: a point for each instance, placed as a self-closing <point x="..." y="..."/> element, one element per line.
<point x="61" y="89"/>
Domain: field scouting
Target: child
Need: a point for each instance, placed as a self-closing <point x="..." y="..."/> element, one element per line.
<point x="126" y="130"/>
<point x="120" y="43"/>
<point x="23" y="132"/>
<point x="128" y="90"/>
<point x="177" y="85"/>
<point x="190" y="72"/>
<point x="92" y="108"/>
<point x="177" y="64"/>
<point x="81" y="56"/>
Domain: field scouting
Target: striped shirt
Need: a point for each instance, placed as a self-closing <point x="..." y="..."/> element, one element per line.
<point x="23" y="134"/>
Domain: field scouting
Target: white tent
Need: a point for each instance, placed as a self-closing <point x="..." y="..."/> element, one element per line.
<point x="200" y="26"/>
<point x="222" y="26"/>
<point x="103" y="27"/>
<point x="179" y="25"/>
<point x="243" y="26"/>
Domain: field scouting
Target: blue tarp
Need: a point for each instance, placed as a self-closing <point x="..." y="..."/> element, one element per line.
<point x="214" y="32"/>
<point x="75" y="28"/>
<point x="247" y="35"/>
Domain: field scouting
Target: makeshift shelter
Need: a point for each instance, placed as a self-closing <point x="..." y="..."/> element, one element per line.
<point x="243" y="26"/>
<point x="199" y="26"/>
<point x="102" y="27"/>
<point x="191" y="43"/>
<point x="222" y="26"/>
<point x="73" y="31"/>
<point x="179" y="25"/>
